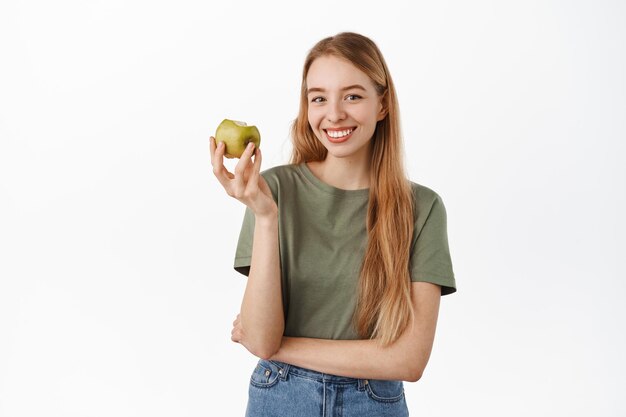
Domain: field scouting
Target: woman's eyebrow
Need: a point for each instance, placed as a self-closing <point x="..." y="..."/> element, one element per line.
<point x="350" y="87"/>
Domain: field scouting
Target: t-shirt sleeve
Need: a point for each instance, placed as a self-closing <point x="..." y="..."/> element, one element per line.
<point x="430" y="254"/>
<point x="243" y="254"/>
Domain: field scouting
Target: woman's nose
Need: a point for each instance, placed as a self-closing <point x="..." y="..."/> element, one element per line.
<point x="335" y="111"/>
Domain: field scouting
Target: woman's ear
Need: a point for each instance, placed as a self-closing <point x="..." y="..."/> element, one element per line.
<point x="382" y="108"/>
<point x="382" y="112"/>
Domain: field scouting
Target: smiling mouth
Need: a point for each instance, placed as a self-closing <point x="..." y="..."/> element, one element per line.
<point x="337" y="136"/>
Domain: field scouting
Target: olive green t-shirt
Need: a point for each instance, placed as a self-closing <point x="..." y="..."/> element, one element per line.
<point x="322" y="241"/>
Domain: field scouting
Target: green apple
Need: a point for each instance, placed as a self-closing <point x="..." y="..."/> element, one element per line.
<point x="236" y="136"/>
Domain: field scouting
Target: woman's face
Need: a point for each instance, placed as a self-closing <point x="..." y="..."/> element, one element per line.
<point x="343" y="107"/>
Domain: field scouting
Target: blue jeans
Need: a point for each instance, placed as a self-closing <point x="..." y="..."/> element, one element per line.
<point x="278" y="389"/>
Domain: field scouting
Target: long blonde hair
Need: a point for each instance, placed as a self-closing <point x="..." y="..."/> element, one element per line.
<point x="384" y="308"/>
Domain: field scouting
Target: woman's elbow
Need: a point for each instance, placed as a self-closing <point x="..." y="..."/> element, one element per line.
<point x="265" y="352"/>
<point x="413" y="372"/>
<point x="414" y="376"/>
<point x="267" y="348"/>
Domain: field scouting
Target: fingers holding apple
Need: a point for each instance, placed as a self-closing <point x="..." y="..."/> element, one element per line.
<point x="241" y="182"/>
<point x="230" y="141"/>
<point x="255" y="174"/>
<point x="243" y="168"/>
<point x="217" y="161"/>
<point x="246" y="184"/>
<point x="245" y="164"/>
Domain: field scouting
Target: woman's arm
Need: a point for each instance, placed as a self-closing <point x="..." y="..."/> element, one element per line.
<point x="262" y="316"/>
<point x="404" y="360"/>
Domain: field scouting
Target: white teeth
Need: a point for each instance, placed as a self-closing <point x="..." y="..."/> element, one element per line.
<point x="339" y="134"/>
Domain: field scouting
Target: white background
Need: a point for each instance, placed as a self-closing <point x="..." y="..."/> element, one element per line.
<point x="117" y="292"/>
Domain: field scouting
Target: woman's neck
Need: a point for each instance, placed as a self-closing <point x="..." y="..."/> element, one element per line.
<point x="343" y="173"/>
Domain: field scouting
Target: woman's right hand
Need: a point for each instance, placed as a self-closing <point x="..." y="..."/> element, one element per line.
<point x="247" y="184"/>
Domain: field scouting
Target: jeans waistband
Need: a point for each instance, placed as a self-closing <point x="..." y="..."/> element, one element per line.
<point x="286" y="368"/>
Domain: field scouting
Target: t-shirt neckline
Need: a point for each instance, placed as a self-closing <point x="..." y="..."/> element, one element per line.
<point x="304" y="168"/>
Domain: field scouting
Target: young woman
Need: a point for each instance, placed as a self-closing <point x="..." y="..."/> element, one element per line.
<point x="346" y="258"/>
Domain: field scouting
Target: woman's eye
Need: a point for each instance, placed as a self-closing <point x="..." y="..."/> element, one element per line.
<point x="354" y="95"/>
<point x="315" y="100"/>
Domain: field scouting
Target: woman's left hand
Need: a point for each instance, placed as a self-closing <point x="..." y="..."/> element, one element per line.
<point x="237" y="332"/>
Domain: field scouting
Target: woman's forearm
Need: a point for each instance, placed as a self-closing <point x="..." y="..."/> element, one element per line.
<point x="350" y="358"/>
<point x="405" y="359"/>
<point x="262" y="316"/>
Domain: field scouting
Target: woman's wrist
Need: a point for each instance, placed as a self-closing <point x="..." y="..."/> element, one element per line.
<point x="267" y="219"/>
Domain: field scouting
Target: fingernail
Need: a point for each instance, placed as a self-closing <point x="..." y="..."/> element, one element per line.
<point x="250" y="145"/>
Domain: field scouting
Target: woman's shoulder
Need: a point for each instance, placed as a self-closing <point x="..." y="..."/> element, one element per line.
<point x="280" y="173"/>
<point x="279" y="170"/>
<point x="423" y="192"/>
<point x="281" y="176"/>
<point x="425" y="199"/>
